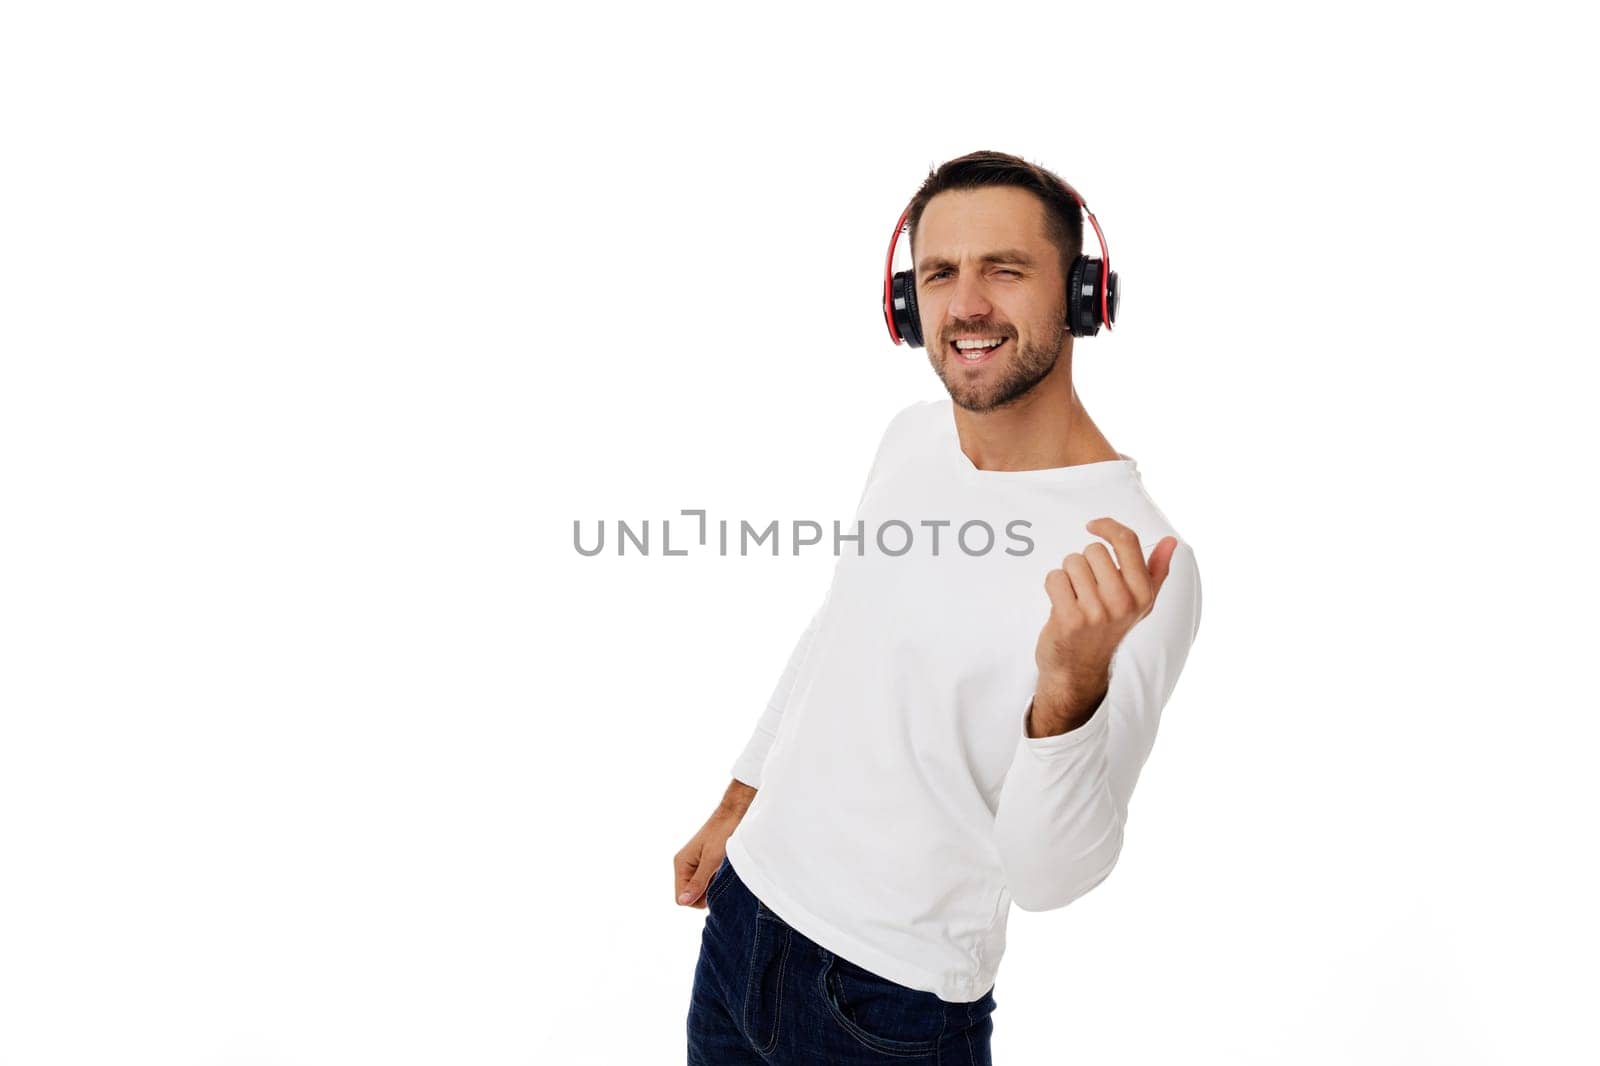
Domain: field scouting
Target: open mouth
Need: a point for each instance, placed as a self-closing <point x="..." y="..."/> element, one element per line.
<point x="976" y="356"/>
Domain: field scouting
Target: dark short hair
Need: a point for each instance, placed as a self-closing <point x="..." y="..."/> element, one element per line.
<point x="977" y="170"/>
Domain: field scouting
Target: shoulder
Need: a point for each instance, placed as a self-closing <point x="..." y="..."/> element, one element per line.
<point x="1179" y="601"/>
<point x="919" y="419"/>
<point x="1130" y="502"/>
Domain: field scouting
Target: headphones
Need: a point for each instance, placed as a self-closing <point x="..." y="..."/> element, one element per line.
<point x="1092" y="291"/>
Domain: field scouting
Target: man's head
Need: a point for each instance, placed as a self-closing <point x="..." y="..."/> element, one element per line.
<point x="992" y="240"/>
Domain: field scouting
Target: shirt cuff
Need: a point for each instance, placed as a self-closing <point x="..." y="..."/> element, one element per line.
<point x="1092" y="729"/>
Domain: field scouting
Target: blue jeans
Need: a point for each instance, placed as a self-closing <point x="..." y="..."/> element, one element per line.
<point x="766" y="995"/>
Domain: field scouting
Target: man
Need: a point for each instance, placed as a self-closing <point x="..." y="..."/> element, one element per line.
<point x="961" y="725"/>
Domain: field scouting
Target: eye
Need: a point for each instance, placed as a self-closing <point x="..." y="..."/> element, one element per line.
<point x="942" y="273"/>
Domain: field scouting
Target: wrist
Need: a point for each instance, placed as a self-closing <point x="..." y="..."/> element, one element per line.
<point x="736" y="800"/>
<point x="1058" y="709"/>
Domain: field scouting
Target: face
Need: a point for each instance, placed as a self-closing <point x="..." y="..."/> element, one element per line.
<point x="986" y="271"/>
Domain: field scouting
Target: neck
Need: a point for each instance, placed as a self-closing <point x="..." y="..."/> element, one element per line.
<point x="1046" y="428"/>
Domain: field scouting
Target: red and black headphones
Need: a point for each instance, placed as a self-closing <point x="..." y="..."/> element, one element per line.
<point x="1092" y="290"/>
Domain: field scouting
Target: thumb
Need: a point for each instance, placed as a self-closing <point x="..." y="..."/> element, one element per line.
<point x="1161" y="563"/>
<point x="697" y="883"/>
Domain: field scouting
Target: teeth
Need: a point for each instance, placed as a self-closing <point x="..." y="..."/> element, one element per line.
<point x="965" y="345"/>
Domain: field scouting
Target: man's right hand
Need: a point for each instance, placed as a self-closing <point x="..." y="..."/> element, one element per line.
<point x="697" y="860"/>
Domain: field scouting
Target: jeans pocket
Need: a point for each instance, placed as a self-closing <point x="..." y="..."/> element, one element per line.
<point x="763" y="995"/>
<point x="880" y="1013"/>
<point x="719" y="879"/>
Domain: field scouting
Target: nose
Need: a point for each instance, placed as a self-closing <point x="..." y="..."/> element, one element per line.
<point x="968" y="300"/>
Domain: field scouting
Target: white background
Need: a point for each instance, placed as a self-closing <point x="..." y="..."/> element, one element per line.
<point x="323" y="322"/>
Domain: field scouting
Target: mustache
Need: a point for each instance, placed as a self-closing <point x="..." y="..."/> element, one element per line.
<point x="979" y="330"/>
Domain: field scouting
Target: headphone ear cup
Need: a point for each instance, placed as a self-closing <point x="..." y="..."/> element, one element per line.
<point x="907" y="318"/>
<point x="1081" y="318"/>
<point x="1113" y="295"/>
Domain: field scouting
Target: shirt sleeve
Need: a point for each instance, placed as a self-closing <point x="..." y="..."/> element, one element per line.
<point x="747" y="767"/>
<point x="1064" y="802"/>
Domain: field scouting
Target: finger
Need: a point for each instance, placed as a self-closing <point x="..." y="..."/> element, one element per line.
<point x="1111" y="587"/>
<point x="1058" y="586"/>
<point x="686" y="889"/>
<point x="709" y="865"/>
<point x="1085" y="587"/>
<point x="1130" y="557"/>
<point x="1161" y="563"/>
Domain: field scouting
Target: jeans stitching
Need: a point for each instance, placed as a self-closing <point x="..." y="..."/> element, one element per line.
<point x="777" y="1006"/>
<point x="749" y="981"/>
<point x="752" y="990"/>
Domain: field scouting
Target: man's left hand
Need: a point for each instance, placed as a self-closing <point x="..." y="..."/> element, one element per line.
<point x="1094" y="602"/>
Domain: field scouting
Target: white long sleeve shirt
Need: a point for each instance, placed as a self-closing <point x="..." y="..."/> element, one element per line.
<point x="901" y="806"/>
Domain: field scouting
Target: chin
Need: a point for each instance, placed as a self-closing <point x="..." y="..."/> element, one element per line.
<point x="976" y="402"/>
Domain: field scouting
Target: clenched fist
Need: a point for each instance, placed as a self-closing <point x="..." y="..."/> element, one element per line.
<point x="1093" y="603"/>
